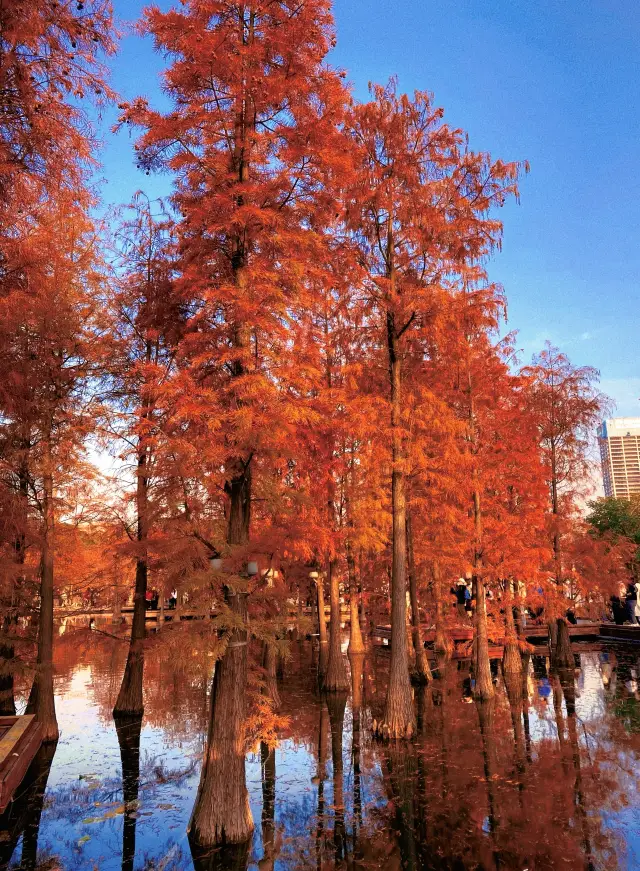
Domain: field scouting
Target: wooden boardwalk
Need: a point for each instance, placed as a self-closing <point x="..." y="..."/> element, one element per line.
<point x="534" y="634"/>
<point x="20" y="738"/>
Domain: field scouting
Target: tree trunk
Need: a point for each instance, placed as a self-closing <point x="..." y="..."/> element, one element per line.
<point x="482" y="665"/>
<point x="443" y="645"/>
<point x="511" y="659"/>
<point x="335" y="679"/>
<point x="356" y="644"/>
<point x="238" y="489"/>
<point x="269" y="663"/>
<point x="323" y="641"/>
<point x="422" y="669"/>
<point x="221" y="814"/>
<point x="7" y="666"/>
<point x="399" y="718"/>
<point x="130" y="699"/>
<point x="562" y="655"/>
<point x="484" y="688"/>
<point x="41" y="699"/>
<point x="128" y="731"/>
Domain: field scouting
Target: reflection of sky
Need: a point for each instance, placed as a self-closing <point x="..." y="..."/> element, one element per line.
<point x="82" y="820"/>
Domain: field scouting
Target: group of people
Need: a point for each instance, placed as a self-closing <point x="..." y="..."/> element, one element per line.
<point x="152" y="598"/>
<point x="626" y="606"/>
<point x="462" y="592"/>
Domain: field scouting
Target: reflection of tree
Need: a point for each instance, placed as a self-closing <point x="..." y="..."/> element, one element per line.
<point x="513" y="686"/>
<point x="23" y="815"/>
<point x="128" y="731"/>
<point x="486" y="718"/>
<point x="320" y="777"/>
<point x="401" y="769"/>
<point x="336" y="703"/>
<point x="357" y="667"/>
<point x="268" y="757"/>
<point x="232" y="857"/>
<point x="569" y="692"/>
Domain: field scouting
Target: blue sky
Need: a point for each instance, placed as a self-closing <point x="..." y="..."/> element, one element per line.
<point x="554" y="83"/>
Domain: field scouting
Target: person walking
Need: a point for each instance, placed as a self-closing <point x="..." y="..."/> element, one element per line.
<point x="636" y="609"/>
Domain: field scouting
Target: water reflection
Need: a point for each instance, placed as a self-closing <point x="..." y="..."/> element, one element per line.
<point x="128" y="730"/>
<point x="23" y="816"/>
<point x="545" y="775"/>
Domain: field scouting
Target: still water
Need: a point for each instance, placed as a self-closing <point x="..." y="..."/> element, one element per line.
<point x="547" y="776"/>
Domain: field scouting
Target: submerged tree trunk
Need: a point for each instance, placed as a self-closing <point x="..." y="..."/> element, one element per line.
<point x="335" y="679"/>
<point x="130" y="699"/>
<point x="422" y="671"/>
<point x="399" y="717"/>
<point x="41" y="699"/>
<point x="222" y="814"/>
<point x="128" y="731"/>
<point x="356" y="644"/>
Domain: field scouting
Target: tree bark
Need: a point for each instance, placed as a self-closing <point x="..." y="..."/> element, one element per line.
<point x="130" y="699"/>
<point x="221" y="814"/>
<point x="422" y="667"/>
<point x="269" y="663"/>
<point x="511" y="659"/>
<point x="7" y="666"/>
<point x="562" y="654"/>
<point x="323" y="642"/>
<point x="238" y="488"/>
<point x="356" y="644"/>
<point x="484" y="688"/>
<point x="399" y="717"/>
<point x="335" y="679"/>
<point x="443" y="645"/>
<point x="482" y="665"/>
<point x="41" y="699"/>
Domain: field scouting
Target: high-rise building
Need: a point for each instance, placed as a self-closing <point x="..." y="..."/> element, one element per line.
<point x="619" y="440"/>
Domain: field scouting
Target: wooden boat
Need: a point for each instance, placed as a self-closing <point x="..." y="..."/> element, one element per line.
<point x="20" y="738"/>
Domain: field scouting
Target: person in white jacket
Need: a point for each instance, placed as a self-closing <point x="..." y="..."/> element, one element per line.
<point x="637" y="605"/>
